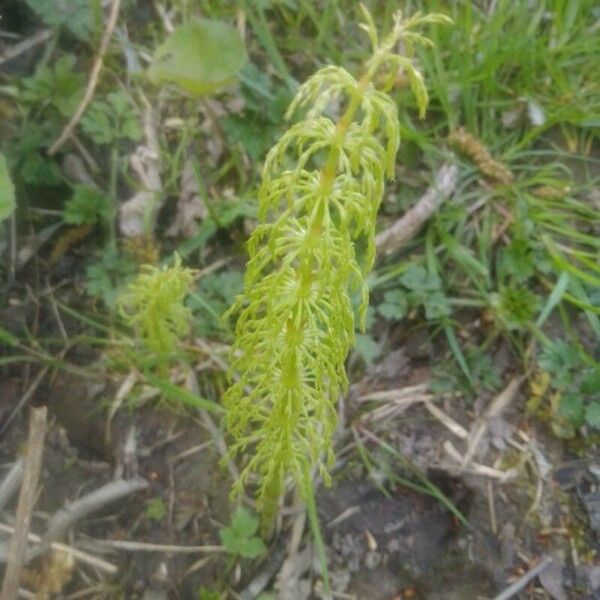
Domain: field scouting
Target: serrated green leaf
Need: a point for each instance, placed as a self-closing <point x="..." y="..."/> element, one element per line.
<point x="558" y="355"/>
<point x="367" y="348"/>
<point x="392" y="312"/>
<point x="111" y="119"/>
<point x="417" y="279"/>
<point x="36" y="169"/>
<point x="394" y="305"/>
<point x="7" y="191"/>
<point x="87" y="206"/>
<point x="59" y="85"/>
<point x="76" y="15"/>
<point x="229" y="539"/>
<point x="437" y="306"/>
<point x="244" y="523"/>
<point x="516" y="260"/>
<point x="592" y="415"/>
<point x="251" y="547"/>
<point x="571" y="408"/>
<point x="591" y="382"/>
<point x="201" y="57"/>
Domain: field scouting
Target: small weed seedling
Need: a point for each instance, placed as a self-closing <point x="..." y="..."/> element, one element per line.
<point x="240" y="539"/>
<point x="572" y="382"/>
<point x="156" y="510"/>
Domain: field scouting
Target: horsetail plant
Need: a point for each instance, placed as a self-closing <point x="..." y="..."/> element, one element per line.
<point x="154" y="305"/>
<point x="322" y="184"/>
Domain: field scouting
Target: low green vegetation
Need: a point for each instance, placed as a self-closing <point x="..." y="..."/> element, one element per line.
<point x="215" y="133"/>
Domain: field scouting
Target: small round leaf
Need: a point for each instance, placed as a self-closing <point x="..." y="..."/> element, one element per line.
<point x="201" y="57"/>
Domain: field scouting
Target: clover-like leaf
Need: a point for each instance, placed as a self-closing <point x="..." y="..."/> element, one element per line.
<point x="244" y="522"/>
<point x="201" y="57"/>
<point x="87" y="206"/>
<point x="394" y="305"/>
<point x="419" y="279"/>
<point x="251" y="547"/>
<point x="240" y="539"/>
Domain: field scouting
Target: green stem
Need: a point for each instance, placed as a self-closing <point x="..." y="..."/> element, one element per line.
<point x="112" y="191"/>
<point x="313" y="519"/>
<point x="330" y="170"/>
<point x="291" y="373"/>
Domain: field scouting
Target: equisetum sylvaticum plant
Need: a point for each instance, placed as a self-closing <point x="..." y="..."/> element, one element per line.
<point x="322" y="184"/>
<point x="153" y="305"/>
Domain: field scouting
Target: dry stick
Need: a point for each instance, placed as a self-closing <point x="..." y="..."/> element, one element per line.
<point x="24" y="400"/>
<point x="93" y="80"/>
<point x="65" y="518"/>
<point x="26" y="45"/>
<point x="403" y="230"/>
<point x="150" y="547"/>
<point x="498" y="405"/>
<point x="518" y="585"/>
<point x="11" y="482"/>
<point x="77" y="554"/>
<point x="31" y="473"/>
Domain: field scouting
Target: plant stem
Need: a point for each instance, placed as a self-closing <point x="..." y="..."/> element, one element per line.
<point x="313" y="518"/>
<point x="112" y="191"/>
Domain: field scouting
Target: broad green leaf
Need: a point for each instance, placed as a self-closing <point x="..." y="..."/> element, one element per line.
<point x="7" y="191"/>
<point x="76" y="15"/>
<point x="230" y="540"/>
<point x="591" y="381"/>
<point x="201" y="57"/>
<point x="571" y="408"/>
<point x="251" y="547"/>
<point x="244" y="523"/>
<point x="592" y="415"/>
<point x="240" y="539"/>
<point x="87" y="205"/>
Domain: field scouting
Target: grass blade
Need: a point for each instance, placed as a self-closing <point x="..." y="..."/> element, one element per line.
<point x="554" y="298"/>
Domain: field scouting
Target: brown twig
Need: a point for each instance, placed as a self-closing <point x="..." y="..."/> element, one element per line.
<point x="27" y="496"/>
<point x="24" y="400"/>
<point x="518" y="585"/>
<point x="403" y="230"/>
<point x="93" y="80"/>
<point x="132" y="546"/>
<point x="66" y="517"/>
<point x="77" y="554"/>
<point x="495" y="409"/>
<point x="27" y="44"/>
